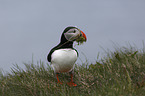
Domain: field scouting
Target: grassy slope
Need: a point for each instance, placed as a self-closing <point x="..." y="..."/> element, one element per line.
<point x="121" y="73"/>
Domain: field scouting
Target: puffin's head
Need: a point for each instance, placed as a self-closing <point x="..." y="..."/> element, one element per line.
<point x="72" y="33"/>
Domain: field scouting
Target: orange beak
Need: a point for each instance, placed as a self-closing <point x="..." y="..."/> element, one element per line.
<point x="84" y="35"/>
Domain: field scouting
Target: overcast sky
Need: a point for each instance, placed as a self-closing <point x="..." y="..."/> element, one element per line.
<point x="34" y="27"/>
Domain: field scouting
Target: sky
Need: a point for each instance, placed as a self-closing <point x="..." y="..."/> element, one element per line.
<point x="30" y="28"/>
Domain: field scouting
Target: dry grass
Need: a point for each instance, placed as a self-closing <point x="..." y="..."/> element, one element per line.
<point x="121" y="73"/>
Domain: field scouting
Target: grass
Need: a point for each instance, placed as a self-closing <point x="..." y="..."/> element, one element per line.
<point x="120" y="73"/>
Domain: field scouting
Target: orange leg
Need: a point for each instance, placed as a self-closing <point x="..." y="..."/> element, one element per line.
<point x="58" y="81"/>
<point x="71" y="83"/>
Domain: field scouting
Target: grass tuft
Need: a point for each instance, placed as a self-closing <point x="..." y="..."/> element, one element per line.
<point x="120" y="73"/>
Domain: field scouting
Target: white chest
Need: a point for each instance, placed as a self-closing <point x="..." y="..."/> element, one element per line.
<point x="63" y="60"/>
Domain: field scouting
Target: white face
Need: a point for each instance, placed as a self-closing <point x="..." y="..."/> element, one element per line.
<point x="72" y="34"/>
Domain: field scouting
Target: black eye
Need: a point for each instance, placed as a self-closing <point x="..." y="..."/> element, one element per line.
<point x="74" y="31"/>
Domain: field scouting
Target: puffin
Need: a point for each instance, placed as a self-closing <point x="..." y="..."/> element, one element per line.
<point x="62" y="57"/>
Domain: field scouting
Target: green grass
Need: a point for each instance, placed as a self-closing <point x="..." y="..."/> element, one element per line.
<point x="120" y="73"/>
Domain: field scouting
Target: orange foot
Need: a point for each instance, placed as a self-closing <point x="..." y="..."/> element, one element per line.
<point x="59" y="82"/>
<point x="71" y="84"/>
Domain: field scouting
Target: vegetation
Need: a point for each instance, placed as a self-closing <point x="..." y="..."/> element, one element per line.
<point x="120" y="73"/>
